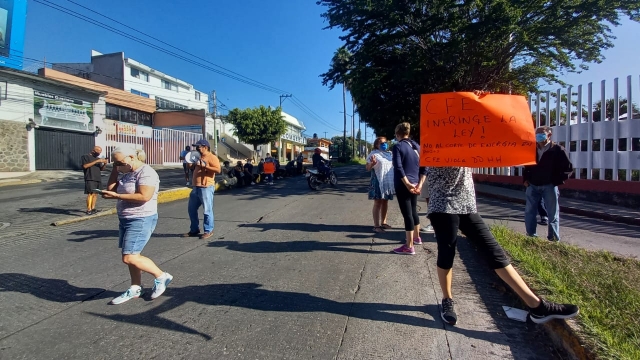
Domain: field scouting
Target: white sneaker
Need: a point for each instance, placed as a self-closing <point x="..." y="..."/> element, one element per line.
<point x="132" y="293"/>
<point x="428" y="229"/>
<point x="160" y="285"/>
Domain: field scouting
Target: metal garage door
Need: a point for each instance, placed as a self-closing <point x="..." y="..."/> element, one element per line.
<point x="61" y="150"/>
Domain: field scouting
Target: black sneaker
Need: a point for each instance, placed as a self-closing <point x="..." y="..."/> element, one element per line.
<point x="544" y="222"/>
<point x="447" y="313"/>
<point x="192" y="234"/>
<point x="548" y="310"/>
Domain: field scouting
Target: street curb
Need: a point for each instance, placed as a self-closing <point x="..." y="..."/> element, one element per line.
<point x="571" y="210"/>
<point x="564" y="335"/>
<point x="10" y="182"/>
<point x="163" y="197"/>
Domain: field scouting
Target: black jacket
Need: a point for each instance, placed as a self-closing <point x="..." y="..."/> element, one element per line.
<point x="554" y="167"/>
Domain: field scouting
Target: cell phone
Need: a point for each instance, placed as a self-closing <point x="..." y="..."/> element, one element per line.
<point x="97" y="191"/>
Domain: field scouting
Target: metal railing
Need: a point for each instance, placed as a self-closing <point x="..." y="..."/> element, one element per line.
<point x="162" y="146"/>
<point x="600" y="131"/>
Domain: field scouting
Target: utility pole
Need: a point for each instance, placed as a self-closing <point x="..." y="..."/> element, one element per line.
<point x="366" y="148"/>
<point x="344" y="134"/>
<point x="284" y="96"/>
<point x="215" y="120"/>
<point x="353" y="134"/>
<point x="360" y="131"/>
<point x="325" y="134"/>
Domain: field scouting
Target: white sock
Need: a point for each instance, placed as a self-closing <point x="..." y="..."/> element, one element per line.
<point x="135" y="287"/>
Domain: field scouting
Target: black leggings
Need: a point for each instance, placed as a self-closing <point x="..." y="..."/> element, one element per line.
<point x="408" y="203"/>
<point x="473" y="227"/>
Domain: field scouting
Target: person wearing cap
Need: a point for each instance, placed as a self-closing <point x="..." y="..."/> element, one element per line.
<point x="203" y="187"/>
<point x="135" y="185"/>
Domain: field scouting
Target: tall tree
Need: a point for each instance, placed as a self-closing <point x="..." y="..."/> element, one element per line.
<point x="257" y="126"/>
<point x="341" y="64"/>
<point x="403" y="48"/>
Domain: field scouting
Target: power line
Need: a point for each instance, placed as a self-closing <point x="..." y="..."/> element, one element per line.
<point x="165" y="43"/>
<point x="230" y="74"/>
<point x="153" y="46"/>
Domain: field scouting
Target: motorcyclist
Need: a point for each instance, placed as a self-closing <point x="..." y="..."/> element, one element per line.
<point x="320" y="163"/>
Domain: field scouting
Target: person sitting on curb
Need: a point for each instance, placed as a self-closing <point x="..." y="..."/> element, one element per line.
<point x="228" y="179"/>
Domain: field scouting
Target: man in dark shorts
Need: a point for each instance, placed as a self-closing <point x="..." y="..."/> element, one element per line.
<point x="92" y="165"/>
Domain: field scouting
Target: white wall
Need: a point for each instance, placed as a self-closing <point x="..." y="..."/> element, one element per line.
<point x="18" y="106"/>
<point x="182" y="95"/>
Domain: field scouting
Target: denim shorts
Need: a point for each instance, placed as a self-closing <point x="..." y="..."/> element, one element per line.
<point x="135" y="233"/>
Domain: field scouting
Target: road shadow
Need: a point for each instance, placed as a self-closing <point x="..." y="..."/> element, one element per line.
<point x="108" y="234"/>
<point x="504" y="211"/>
<point x="53" y="290"/>
<point x="53" y="210"/>
<point x="306" y="227"/>
<point x="252" y="296"/>
<point x="272" y="247"/>
<point x="494" y="293"/>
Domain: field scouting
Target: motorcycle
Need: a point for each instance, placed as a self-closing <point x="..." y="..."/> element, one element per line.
<point x="315" y="179"/>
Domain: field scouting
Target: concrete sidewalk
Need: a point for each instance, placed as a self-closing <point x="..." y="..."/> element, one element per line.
<point x="569" y="206"/>
<point x="291" y="274"/>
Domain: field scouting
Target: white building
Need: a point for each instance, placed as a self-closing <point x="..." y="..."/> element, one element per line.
<point x="292" y="142"/>
<point x="124" y="73"/>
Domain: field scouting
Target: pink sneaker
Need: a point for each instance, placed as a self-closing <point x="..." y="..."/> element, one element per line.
<point x="417" y="241"/>
<point x="404" y="250"/>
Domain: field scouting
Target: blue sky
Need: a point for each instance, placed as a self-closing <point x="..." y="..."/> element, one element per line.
<point x="277" y="42"/>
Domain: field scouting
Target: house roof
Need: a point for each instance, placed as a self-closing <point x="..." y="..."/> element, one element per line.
<point x="44" y="80"/>
<point x="112" y="95"/>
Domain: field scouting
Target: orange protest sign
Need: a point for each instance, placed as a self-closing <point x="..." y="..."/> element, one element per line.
<point x="466" y="130"/>
<point x="269" y="168"/>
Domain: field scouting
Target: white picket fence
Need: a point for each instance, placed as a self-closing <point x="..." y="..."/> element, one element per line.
<point x="605" y="149"/>
<point x="162" y="146"/>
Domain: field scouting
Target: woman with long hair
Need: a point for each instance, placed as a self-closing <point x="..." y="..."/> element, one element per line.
<point x="381" y="188"/>
<point x="408" y="178"/>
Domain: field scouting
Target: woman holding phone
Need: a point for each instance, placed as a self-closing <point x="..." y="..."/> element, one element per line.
<point x="137" y="193"/>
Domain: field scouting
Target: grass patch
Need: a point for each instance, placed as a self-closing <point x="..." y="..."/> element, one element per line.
<point x="357" y="161"/>
<point x="605" y="286"/>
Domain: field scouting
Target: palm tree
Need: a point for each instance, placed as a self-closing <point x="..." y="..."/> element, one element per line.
<point x="340" y="66"/>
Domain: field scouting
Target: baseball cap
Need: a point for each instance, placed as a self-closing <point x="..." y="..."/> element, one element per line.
<point x="202" y="142"/>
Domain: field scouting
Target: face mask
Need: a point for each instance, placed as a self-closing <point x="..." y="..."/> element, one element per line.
<point x="384" y="146"/>
<point x="541" y="137"/>
<point x="123" y="169"/>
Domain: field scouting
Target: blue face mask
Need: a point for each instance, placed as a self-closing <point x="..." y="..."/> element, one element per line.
<point x="384" y="146"/>
<point x="541" y="137"/>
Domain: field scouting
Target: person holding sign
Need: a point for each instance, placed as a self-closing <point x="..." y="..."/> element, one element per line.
<point x="269" y="169"/>
<point x="452" y="207"/>
<point x="408" y="178"/>
<point x="381" y="189"/>
<point x="552" y="168"/>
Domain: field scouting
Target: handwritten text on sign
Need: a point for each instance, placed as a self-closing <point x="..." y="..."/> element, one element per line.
<point x="463" y="129"/>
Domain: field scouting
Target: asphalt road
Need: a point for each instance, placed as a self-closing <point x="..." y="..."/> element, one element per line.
<point x="290" y="274"/>
<point x="25" y="208"/>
